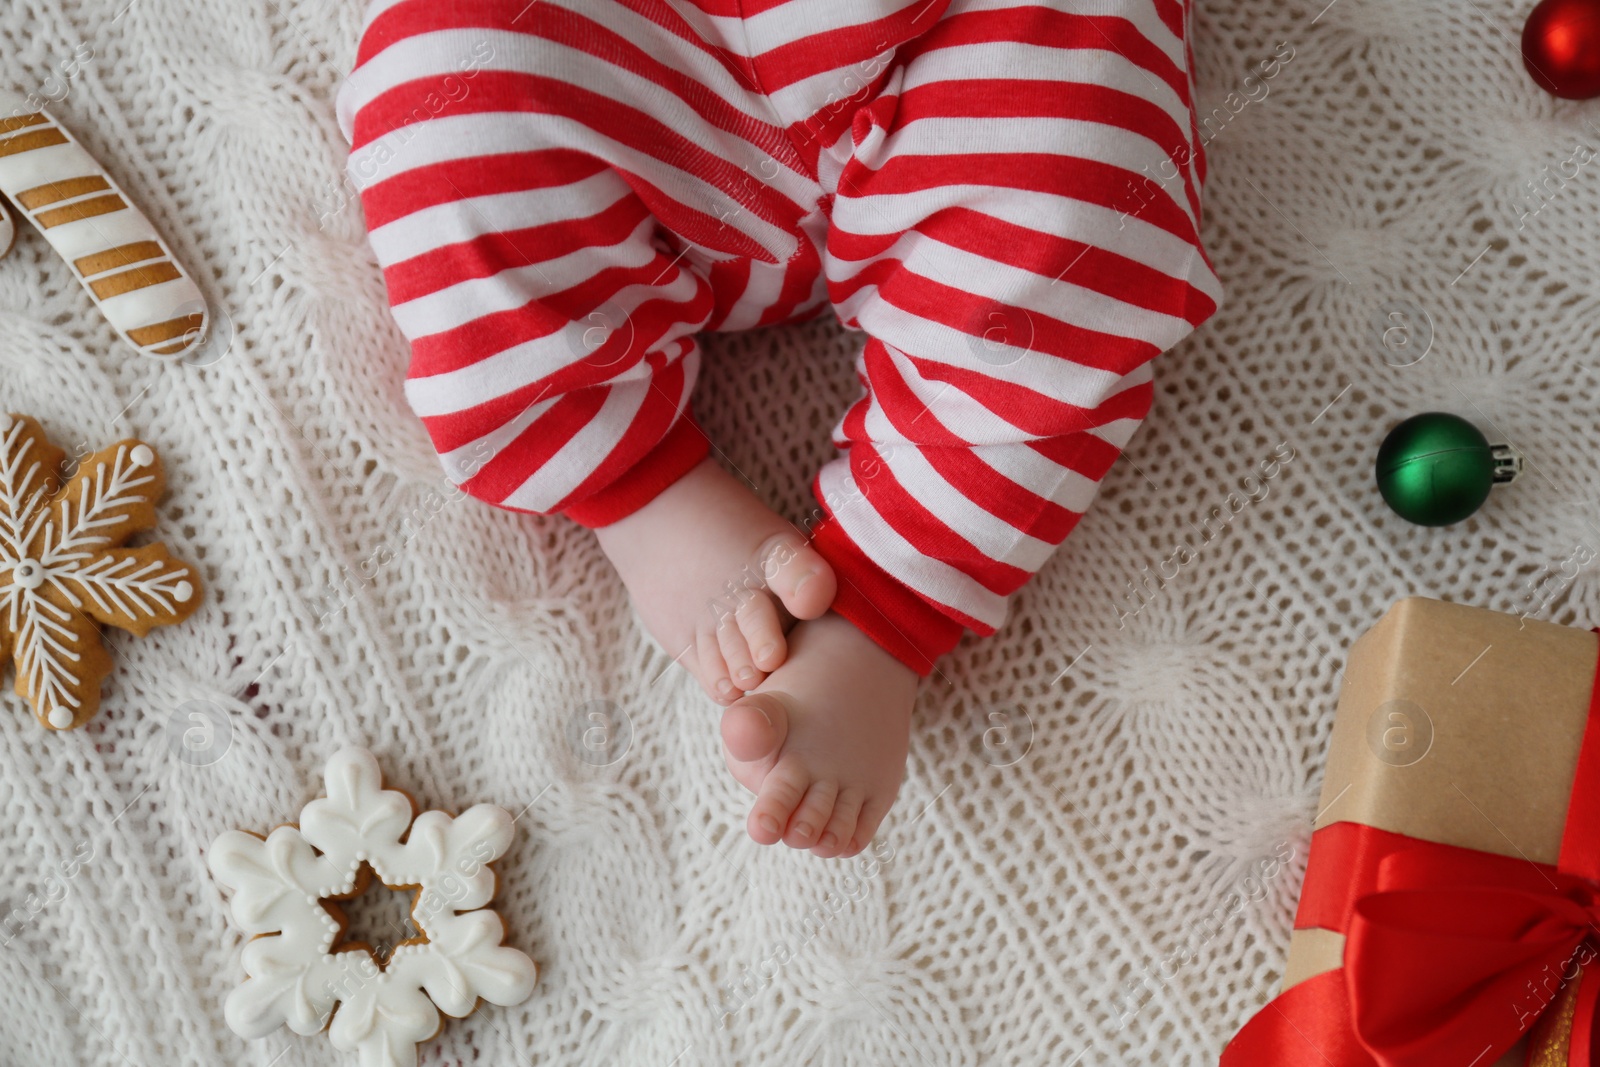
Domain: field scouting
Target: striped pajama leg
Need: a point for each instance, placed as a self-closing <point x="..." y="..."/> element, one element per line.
<point x="553" y="348"/>
<point x="560" y="199"/>
<point x="992" y="236"/>
<point x="552" y="331"/>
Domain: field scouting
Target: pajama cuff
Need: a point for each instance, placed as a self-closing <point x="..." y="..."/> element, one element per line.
<point x="677" y="454"/>
<point x="906" y="626"/>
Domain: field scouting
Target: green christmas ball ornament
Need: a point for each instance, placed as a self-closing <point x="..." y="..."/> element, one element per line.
<point x="1435" y="469"/>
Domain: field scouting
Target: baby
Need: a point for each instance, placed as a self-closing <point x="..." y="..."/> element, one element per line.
<point x="1002" y="196"/>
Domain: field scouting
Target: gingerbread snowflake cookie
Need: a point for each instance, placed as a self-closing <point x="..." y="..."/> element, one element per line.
<point x="286" y="889"/>
<point x="64" y="572"/>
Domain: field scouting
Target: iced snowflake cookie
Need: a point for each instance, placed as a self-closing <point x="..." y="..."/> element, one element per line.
<point x="115" y="252"/>
<point x="286" y="889"/>
<point x="64" y="571"/>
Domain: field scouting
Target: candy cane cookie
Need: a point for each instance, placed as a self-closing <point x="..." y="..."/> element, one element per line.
<point x="128" y="270"/>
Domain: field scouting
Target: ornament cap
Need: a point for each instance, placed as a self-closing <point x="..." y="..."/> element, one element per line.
<point x="1507" y="463"/>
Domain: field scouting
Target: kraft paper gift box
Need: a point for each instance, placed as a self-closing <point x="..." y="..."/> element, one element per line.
<point x="1452" y="891"/>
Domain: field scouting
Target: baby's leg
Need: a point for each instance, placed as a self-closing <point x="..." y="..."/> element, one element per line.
<point x="993" y="234"/>
<point x="552" y="329"/>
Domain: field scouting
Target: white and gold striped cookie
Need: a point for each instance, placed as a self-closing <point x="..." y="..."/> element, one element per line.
<point x="115" y="252"/>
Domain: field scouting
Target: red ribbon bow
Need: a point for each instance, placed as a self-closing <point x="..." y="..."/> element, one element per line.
<point x="1456" y="957"/>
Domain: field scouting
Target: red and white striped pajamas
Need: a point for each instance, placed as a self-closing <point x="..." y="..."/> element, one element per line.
<point x="1003" y="195"/>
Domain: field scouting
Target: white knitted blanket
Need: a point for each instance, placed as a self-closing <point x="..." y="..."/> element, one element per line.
<point x="1084" y="866"/>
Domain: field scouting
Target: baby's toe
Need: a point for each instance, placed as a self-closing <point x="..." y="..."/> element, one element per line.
<point x="872" y="814"/>
<point x="780" y="795"/>
<point x="736" y="654"/>
<point x="763" y="632"/>
<point x="798" y="575"/>
<point x="836" y="836"/>
<point x="808" y="821"/>
<point x="713" y="669"/>
<point x="755" y="727"/>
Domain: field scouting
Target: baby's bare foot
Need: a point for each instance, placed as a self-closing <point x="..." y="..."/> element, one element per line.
<point x="822" y="743"/>
<point x="718" y="578"/>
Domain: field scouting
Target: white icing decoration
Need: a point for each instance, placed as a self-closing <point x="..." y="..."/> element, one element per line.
<point x="5" y="422"/>
<point x="60" y="718"/>
<point x="28" y="574"/>
<point x="141" y="456"/>
<point x="182" y="592"/>
<point x="278" y="884"/>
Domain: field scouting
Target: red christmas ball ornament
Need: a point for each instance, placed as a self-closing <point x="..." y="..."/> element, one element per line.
<point x="1561" y="47"/>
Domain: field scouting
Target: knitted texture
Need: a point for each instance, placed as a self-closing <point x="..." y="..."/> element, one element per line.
<point x="1097" y="852"/>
